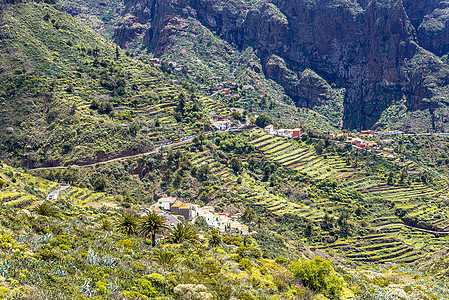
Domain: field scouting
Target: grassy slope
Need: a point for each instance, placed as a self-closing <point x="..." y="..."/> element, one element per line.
<point x="52" y="68"/>
<point x="81" y="257"/>
<point x="303" y="190"/>
<point x="209" y="61"/>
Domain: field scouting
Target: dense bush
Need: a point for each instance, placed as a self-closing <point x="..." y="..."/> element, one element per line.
<point x="318" y="275"/>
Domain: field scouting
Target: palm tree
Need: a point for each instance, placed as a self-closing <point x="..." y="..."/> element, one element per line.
<point x="247" y="240"/>
<point x="165" y="258"/>
<point x="150" y="225"/>
<point x="105" y="225"/>
<point x="215" y="239"/>
<point x="46" y="209"/>
<point x="248" y="215"/>
<point x="260" y="221"/>
<point x="126" y="224"/>
<point x="183" y="233"/>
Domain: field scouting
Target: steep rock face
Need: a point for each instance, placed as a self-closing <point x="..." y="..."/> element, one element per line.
<point x="307" y="88"/>
<point x="369" y="48"/>
<point x="418" y="9"/>
<point x="431" y="20"/>
<point x="433" y="33"/>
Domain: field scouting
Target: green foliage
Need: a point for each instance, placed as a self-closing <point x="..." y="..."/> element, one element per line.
<point x="150" y="225"/>
<point x="236" y="164"/>
<point x="165" y="258"/>
<point x="249" y="252"/>
<point x="319" y="275"/>
<point x="127" y="223"/>
<point x="46" y="209"/>
<point x="263" y="121"/>
<point x="183" y="233"/>
<point x="249" y="215"/>
<point x="215" y="239"/>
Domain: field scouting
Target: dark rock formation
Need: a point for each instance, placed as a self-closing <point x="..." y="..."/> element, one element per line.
<point x="370" y="48"/>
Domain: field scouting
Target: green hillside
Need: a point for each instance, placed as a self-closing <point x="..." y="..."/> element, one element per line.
<point x="81" y="124"/>
<point x="301" y="208"/>
<point x="69" y="95"/>
<point x="324" y="195"/>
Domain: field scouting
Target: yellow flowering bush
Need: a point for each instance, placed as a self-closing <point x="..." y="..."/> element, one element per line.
<point x="7" y="241"/>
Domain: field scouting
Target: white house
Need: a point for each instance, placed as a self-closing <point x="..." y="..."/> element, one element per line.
<point x="270" y="129"/>
<point x="222" y="125"/>
<point x="164" y="203"/>
<point x="285" y="133"/>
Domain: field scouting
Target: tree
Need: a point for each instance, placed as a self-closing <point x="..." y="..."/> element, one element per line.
<point x="203" y="171"/>
<point x="238" y="116"/>
<point x="201" y="136"/>
<point x="150" y="225"/>
<point x="318" y="275"/>
<point x="390" y="178"/>
<point x="248" y="215"/>
<point x="319" y="147"/>
<point x="215" y="239"/>
<point x="260" y="221"/>
<point x="183" y="233"/>
<point x="269" y="169"/>
<point x="236" y="164"/>
<point x="126" y="224"/>
<point x="165" y="258"/>
<point x="117" y="52"/>
<point x="46" y="209"/>
<point x="247" y="240"/>
<point x="263" y="121"/>
<point x="252" y="162"/>
<point x="100" y="184"/>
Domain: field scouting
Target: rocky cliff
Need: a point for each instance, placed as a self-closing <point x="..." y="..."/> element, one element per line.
<point x="379" y="51"/>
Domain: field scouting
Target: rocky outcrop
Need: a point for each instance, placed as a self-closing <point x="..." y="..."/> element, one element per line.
<point x="418" y="9"/>
<point x="370" y="48"/>
<point x="433" y="33"/>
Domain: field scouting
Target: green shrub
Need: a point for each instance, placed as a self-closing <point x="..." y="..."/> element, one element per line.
<point x="318" y="275"/>
<point x="146" y="288"/>
<point x="249" y="252"/>
<point x="47" y="254"/>
<point x="246" y="296"/>
<point x="281" y="260"/>
<point x="132" y="295"/>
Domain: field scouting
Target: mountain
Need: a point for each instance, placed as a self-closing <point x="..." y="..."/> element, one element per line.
<point x="92" y="136"/>
<point x="351" y="61"/>
<point x="70" y="95"/>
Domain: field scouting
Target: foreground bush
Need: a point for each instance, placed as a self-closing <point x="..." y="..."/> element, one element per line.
<point x="318" y="275"/>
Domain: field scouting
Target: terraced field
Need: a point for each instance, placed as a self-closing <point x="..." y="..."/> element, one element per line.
<point x="379" y="248"/>
<point x="23" y="190"/>
<point x="304" y="159"/>
<point x="420" y="201"/>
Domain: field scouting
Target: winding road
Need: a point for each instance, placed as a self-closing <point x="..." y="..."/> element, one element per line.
<point x="414" y="228"/>
<point x="115" y="159"/>
<point x="55" y="194"/>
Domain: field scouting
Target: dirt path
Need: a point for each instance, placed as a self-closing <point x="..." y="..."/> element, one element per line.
<point x="114" y="159"/>
<point x="414" y="228"/>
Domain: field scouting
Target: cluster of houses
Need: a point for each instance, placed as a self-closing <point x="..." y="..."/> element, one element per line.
<point x="290" y="133"/>
<point x="157" y="63"/>
<point x="361" y="143"/>
<point x="380" y="133"/>
<point x="173" y="208"/>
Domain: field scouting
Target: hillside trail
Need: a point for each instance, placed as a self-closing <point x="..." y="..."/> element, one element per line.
<point x="414" y="228"/>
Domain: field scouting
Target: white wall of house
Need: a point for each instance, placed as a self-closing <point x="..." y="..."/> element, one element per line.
<point x="164" y="203"/>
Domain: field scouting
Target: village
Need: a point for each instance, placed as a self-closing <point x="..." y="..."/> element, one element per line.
<point x="176" y="211"/>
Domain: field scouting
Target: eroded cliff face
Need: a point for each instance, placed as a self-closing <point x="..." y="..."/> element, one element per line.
<point x="370" y="48"/>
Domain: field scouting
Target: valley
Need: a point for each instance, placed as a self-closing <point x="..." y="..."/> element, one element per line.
<point x="220" y="150"/>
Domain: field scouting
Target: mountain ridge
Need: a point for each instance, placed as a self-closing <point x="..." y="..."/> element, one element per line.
<point x="372" y="53"/>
